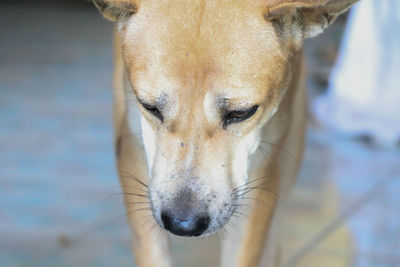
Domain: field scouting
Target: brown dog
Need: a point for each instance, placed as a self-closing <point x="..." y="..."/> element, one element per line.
<point x="200" y="84"/>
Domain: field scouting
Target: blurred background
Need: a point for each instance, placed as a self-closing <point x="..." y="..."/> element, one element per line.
<point x="60" y="202"/>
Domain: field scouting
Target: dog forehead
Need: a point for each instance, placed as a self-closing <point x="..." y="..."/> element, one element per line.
<point x="197" y="31"/>
<point x="223" y="46"/>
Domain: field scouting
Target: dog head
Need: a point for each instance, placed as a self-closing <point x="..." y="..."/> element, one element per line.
<point x="207" y="76"/>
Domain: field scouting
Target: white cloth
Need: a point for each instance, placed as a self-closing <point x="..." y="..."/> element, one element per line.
<point x="364" y="92"/>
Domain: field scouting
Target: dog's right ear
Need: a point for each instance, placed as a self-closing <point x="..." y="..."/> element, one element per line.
<point x="116" y="10"/>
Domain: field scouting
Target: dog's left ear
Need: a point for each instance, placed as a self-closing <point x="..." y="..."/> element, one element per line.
<point x="312" y="15"/>
<point x="116" y="10"/>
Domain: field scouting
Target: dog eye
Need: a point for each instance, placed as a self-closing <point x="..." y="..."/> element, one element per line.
<point x="153" y="110"/>
<point x="238" y="116"/>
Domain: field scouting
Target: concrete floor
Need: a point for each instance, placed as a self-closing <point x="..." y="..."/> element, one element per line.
<point x="60" y="202"/>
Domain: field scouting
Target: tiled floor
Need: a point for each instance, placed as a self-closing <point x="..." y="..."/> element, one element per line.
<point x="59" y="195"/>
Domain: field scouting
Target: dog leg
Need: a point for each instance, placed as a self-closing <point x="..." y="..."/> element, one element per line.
<point x="150" y="244"/>
<point x="257" y="240"/>
<point x="245" y="247"/>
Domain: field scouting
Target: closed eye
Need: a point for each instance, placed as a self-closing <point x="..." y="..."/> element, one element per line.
<point x="236" y="116"/>
<point x="153" y="110"/>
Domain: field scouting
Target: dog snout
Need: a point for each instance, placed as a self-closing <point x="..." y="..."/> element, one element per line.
<point x="185" y="221"/>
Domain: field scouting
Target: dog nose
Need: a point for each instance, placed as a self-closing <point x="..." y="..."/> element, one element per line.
<point x="190" y="225"/>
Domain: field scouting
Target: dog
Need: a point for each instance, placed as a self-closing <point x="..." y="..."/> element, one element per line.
<point x="199" y="86"/>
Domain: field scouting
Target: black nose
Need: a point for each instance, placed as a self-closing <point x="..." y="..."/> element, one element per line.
<point x="191" y="225"/>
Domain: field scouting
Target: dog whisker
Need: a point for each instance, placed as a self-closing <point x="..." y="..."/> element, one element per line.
<point x="139" y="209"/>
<point x="153" y="227"/>
<point x="138" y="219"/>
<point x="247" y="189"/>
<point x="241" y="205"/>
<point x="285" y="152"/>
<point x="254" y="199"/>
<point x="248" y="183"/>
<point x="250" y="189"/>
<point x="137" y="195"/>
<point x="239" y="216"/>
<point x="224" y="230"/>
<point x="233" y="225"/>
<point x="149" y="219"/>
<point x="134" y="189"/>
<point x="238" y="193"/>
<point x="134" y="178"/>
<point x="239" y="212"/>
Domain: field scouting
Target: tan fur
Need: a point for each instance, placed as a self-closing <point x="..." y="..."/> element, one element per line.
<point x="196" y="59"/>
